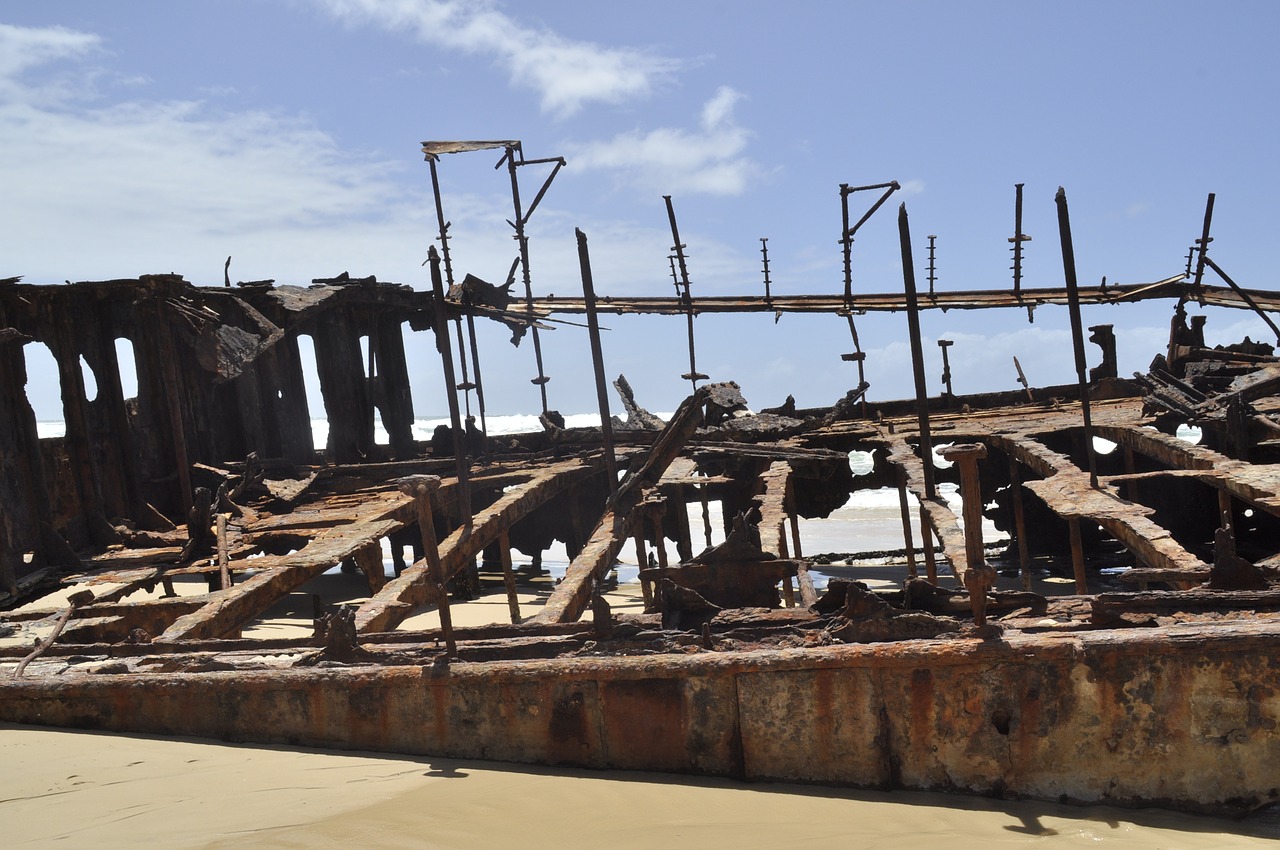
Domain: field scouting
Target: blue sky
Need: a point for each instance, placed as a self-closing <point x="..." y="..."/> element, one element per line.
<point x="160" y="136"/>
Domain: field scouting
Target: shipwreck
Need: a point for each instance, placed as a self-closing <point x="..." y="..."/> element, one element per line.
<point x="1153" y="682"/>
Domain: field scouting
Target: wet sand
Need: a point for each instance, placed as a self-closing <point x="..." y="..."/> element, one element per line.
<point x="82" y="789"/>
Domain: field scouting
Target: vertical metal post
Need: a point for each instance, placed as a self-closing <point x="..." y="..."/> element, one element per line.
<point x="523" y="241"/>
<point x="926" y="545"/>
<point x="905" y="507"/>
<point x="933" y="277"/>
<point x="509" y="576"/>
<point x="847" y="240"/>
<point x="1077" y="332"/>
<point x="944" y="344"/>
<point x="858" y="356"/>
<point x="475" y="359"/>
<point x="1204" y="239"/>
<point x="764" y="253"/>
<point x="461" y="464"/>
<point x="224" y="569"/>
<point x="693" y="376"/>
<point x="642" y="559"/>
<point x="978" y="577"/>
<point x="917" y="352"/>
<point x="420" y="487"/>
<point x="448" y="276"/>
<point x="1017" y="239"/>
<point x="597" y="359"/>
<point x="1077" y="555"/>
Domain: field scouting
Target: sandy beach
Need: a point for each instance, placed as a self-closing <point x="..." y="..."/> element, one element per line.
<point x="83" y="789"/>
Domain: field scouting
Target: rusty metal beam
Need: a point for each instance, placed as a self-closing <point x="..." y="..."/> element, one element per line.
<point x="570" y="598"/>
<point x="1171" y="287"/>
<point x="411" y="588"/>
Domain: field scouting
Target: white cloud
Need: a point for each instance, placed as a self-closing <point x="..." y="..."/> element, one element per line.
<point x="117" y="189"/>
<point x="25" y="48"/>
<point x="567" y="74"/>
<point x="708" y="160"/>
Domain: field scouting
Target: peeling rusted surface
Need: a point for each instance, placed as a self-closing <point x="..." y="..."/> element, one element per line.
<point x="1165" y="696"/>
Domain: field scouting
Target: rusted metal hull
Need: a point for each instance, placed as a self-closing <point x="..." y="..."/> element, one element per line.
<point x="1186" y="718"/>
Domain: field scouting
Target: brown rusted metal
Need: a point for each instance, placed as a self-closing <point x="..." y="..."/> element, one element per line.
<point x="978" y="577"/>
<point x="737" y="661"/>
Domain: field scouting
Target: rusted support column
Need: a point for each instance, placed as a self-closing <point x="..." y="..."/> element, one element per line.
<point x="978" y="577"/>
<point x="686" y="296"/>
<point x="788" y="592"/>
<point x="224" y="570"/>
<point x="795" y="532"/>
<point x="1019" y="523"/>
<point x="926" y="544"/>
<point x="917" y="352"/>
<point x="684" y="540"/>
<point x="1225" y="512"/>
<point x="1017" y="239"/>
<point x="522" y="240"/>
<point x="906" y="524"/>
<point x="369" y="559"/>
<point x="659" y="541"/>
<point x="1077" y="555"/>
<point x="420" y="487"/>
<point x="944" y="344"/>
<point x="461" y="463"/>
<point x="1204" y="240"/>
<point x="509" y="576"/>
<point x="597" y="360"/>
<point x="1077" y="333"/>
<point x="642" y="560"/>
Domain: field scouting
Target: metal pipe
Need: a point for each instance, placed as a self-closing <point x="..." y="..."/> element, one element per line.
<point x="978" y="577"/>
<point x="1244" y="296"/>
<point x="597" y="360"/>
<point x="509" y="576"/>
<point x="461" y="463"/>
<point x="1018" y="238"/>
<point x="933" y="277"/>
<point x="917" y="352"/>
<point x="1204" y="239"/>
<point x="846" y="240"/>
<point x="906" y="524"/>
<point x="1077" y="332"/>
<point x="523" y="241"/>
<point x="686" y="296"/>
<point x="764" y="251"/>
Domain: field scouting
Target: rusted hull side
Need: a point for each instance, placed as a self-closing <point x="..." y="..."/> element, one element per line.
<point x="1119" y="717"/>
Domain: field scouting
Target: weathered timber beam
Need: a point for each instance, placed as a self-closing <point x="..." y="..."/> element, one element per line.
<point x="400" y="596"/>
<point x="570" y="598"/>
<point x="229" y="610"/>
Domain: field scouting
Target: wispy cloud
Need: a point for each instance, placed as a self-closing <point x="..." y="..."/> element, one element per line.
<point x="131" y="186"/>
<point x="23" y="49"/>
<point x="709" y="159"/>
<point x="567" y="74"/>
